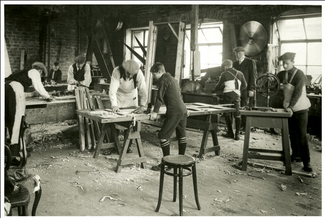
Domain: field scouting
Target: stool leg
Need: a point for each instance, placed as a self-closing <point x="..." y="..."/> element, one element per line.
<point x="20" y="211"/>
<point x="195" y="186"/>
<point x="25" y="210"/>
<point x="161" y="184"/>
<point x="181" y="191"/>
<point x="175" y="184"/>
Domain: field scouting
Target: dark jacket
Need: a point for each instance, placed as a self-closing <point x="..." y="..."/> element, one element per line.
<point x="21" y="77"/>
<point x="57" y="75"/>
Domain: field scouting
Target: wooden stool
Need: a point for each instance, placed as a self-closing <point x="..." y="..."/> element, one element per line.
<point x="178" y="163"/>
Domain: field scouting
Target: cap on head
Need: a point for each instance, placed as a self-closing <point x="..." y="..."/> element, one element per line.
<point x="131" y="66"/>
<point x="80" y="59"/>
<point x="56" y="63"/>
<point x="156" y="67"/>
<point x="39" y="65"/>
<point x="287" y="56"/>
<point x="226" y="64"/>
<point x="238" y="49"/>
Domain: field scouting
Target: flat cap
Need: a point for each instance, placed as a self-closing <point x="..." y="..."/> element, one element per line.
<point x="40" y="65"/>
<point x="238" y="49"/>
<point x="131" y="66"/>
<point x="80" y="59"/>
<point x="287" y="56"/>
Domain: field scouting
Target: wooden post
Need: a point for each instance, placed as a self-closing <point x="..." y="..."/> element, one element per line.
<point x="81" y="122"/>
<point x="22" y="59"/>
<point x="180" y="53"/>
<point x="150" y="59"/>
<point x="194" y="39"/>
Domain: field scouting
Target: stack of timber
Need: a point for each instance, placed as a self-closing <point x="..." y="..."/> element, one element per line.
<point x="89" y="130"/>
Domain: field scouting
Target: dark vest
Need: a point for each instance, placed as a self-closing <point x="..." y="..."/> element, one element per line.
<point x="123" y="75"/>
<point x="21" y="77"/>
<point x="79" y="75"/>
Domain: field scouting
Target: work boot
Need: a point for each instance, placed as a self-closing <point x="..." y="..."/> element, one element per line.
<point x="295" y="159"/>
<point x="237" y="121"/>
<point x="307" y="167"/>
<point x="230" y="133"/>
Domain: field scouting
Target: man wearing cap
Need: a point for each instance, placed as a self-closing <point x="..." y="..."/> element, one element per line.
<point x="15" y="86"/>
<point x="127" y="83"/>
<point x="248" y="67"/>
<point x="79" y="73"/>
<point x="297" y="105"/>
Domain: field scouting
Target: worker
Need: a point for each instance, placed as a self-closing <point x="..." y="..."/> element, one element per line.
<point x="79" y="73"/>
<point x="248" y="67"/>
<point x="169" y="93"/>
<point x="211" y="75"/>
<point x="297" y="104"/>
<point x="231" y="82"/>
<point x="127" y="83"/>
<point x="15" y="86"/>
<point x="55" y="75"/>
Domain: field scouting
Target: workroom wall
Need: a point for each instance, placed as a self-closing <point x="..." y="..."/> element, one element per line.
<point x="26" y="30"/>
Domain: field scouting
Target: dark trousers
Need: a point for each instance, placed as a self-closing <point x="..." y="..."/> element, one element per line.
<point x="244" y="100"/>
<point x="298" y="135"/>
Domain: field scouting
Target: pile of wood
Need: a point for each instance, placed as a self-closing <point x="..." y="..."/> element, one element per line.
<point x="89" y="130"/>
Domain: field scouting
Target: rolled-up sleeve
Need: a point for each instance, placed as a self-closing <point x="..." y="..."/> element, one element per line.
<point x="70" y="78"/>
<point x="115" y="83"/>
<point x="142" y="88"/>
<point x="35" y="76"/>
<point x="88" y="79"/>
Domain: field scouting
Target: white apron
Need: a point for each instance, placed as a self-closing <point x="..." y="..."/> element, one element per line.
<point x="127" y="94"/>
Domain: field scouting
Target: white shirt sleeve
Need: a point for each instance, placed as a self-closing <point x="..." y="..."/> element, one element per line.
<point x="87" y="75"/>
<point x="115" y="83"/>
<point x="70" y="78"/>
<point x="142" y="88"/>
<point x="35" y="76"/>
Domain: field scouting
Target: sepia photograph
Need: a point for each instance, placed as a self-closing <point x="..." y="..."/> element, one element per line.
<point x="161" y="108"/>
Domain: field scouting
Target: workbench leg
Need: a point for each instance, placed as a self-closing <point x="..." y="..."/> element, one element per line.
<point x="114" y="133"/>
<point x="204" y="143"/>
<point x="285" y="145"/>
<point x="246" y="142"/>
<point x="100" y="140"/>
<point x="126" y="144"/>
<point x="140" y="151"/>
<point x="215" y="141"/>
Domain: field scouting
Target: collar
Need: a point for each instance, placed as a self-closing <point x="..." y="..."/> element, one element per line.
<point x="292" y="70"/>
<point x="241" y="60"/>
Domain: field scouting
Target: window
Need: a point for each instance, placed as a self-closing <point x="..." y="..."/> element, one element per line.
<point x="142" y="36"/>
<point x="209" y="45"/>
<point x="302" y="35"/>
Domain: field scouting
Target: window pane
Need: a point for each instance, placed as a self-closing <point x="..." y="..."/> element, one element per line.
<point x="139" y="51"/>
<point x="313" y="27"/>
<point x="209" y="36"/>
<point x="298" y="48"/>
<point x="139" y="35"/>
<point x="211" y="56"/>
<point x="315" y="72"/>
<point x="291" y="29"/>
<point x="314" y="56"/>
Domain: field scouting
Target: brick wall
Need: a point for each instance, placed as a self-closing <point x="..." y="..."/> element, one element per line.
<point x="26" y="29"/>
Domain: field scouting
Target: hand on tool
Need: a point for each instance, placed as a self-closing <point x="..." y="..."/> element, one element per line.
<point x="250" y="93"/>
<point x="139" y="110"/>
<point x="115" y="109"/>
<point x="153" y="116"/>
<point x="51" y="98"/>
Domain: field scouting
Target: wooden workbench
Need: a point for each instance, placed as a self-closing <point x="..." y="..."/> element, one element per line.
<point x="107" y="119"/>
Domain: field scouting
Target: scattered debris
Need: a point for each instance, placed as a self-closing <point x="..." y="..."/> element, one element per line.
<point x="283" y="187"/>
<point x="109" y="197"/>
<point x="88" y="171"/>
<point x="297" y="193"/>
<point x="228" y="181"/>
<point x="263" y="211"/>
<point x="300" y="179"/>
<point x="222" y="201"/>
<point x="78" y="185"/>
<point x="140" y="188"/>
<point x="260" y="177"/>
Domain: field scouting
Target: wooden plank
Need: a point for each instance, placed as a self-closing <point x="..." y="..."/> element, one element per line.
<point x="81" y="122"/>
<point x="266" y="150"/>
<point x="180" y="53"/>
<point x="271" y="122"/>
<point x="265" y="157"/>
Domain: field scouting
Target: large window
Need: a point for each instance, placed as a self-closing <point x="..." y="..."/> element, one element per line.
<point x="209" y="45"/>
<point x="302" y="35"/>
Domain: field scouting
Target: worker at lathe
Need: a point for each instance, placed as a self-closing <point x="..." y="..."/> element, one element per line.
<point x="127" y="83"/>
<point x="79" y="73"/>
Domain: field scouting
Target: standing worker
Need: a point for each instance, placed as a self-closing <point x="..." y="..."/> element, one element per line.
<point x="127" y="83"/>
<point x="79" y="73"/>
<point x="297" y="104"/>
<point x="55" y="75"/>
<point x="231" y="82"/>
<point x="248" y="67"/>
<point x="15" y="86"/>
<point x="176" y="114"/>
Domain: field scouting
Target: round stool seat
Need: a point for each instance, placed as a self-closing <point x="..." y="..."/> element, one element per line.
<point x="178" y="160"/>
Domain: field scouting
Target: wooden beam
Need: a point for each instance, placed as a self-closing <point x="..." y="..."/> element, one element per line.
<point x="150" y="58"/>
<point x="180" y="53"/>
<point x="194" y="40"/>
<point x="172" y="29"/>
